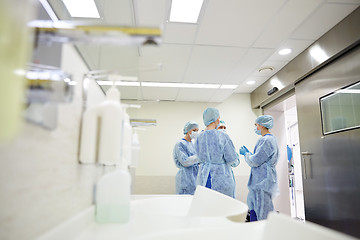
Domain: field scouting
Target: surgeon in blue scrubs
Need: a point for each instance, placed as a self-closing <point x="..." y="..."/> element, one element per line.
<point x="262" y="185"/>
<point x="185" y="159"/>
<point x="217" y="156"/>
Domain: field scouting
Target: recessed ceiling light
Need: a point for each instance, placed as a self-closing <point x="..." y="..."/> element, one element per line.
<point x="82" y="8"/>
<point x="251" y="82"/>
<point x="186" y="11"/>
<point x="266" y="69"/>
<point x="285" y="51"/>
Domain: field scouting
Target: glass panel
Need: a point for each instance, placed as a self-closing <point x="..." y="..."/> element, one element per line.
<point x="340" y="110"/>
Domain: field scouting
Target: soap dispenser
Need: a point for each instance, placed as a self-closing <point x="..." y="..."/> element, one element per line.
<point x="127" y="138"/>
<point x="135" y="154"/>
<point x="113" y="196"/>
<point x="101" y="135"/>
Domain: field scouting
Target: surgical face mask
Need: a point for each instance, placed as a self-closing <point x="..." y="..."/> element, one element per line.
<point x="258" y="132"/>
<point x="194" y="135"/>
<point x="223" y="130"/>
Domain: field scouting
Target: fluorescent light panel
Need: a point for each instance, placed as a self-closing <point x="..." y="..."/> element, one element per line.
<point x="82" y="8"/>
<point x="186" y="11"/>
<point x="225" y="86"/>
<point x="179" y="85"/>
<point x="167" y="85"/>
<point x="119" y="83"/>
<point x="187" y="85"/>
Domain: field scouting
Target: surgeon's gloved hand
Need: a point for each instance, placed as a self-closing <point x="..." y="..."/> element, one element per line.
<point x="243" y="150"/>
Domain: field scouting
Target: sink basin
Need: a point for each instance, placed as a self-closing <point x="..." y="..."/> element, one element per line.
<point x="210" y="203"/>
<point x="204" y="203"/>
<point x="176" y="205"/>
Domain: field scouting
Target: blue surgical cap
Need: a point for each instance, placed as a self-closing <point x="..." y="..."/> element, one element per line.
<point x="266" y="121"/>
<point x="189" y="126"/>
<point x="210" y="115"/>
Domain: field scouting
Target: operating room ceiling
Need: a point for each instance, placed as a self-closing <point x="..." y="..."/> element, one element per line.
<point x="232" y="40"/>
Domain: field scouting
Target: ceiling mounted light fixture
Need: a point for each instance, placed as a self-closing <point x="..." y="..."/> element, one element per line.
<point x="251" y="82"/>
<point x="82" y="8"/>
<point x="118" y="83"/>
<point x="185" y="11"/>
<point x="266" y="70"/>
<point x="285" y="51"/>
<point x="227" y="86"/>
<point x="179" y="85"/>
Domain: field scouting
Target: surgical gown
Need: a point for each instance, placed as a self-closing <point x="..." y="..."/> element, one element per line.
<point x="187" y="162"/>
<point x="217" y="155"/>
<point x="262" y="183"/>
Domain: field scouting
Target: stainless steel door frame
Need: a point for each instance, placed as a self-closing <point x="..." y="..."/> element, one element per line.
<point x="331" y="170"/>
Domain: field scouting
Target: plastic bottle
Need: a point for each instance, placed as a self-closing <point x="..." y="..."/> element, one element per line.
<point x="102" y="131"/>
<point x="135" y="155"/>
<point x="127" y="140"/>
<point x="113" y="197"/>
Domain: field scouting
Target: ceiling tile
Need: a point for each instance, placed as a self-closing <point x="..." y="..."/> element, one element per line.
<point x="151" y="13"/>
<point x="277" y="65"/>
<point x="126" y="93"/>
<point x="118" y="58"/>
<point x="221" y="95"/>
<point x="179" y="33"/>
<point x="245" y="88"/>
<point x="91" y="53"/>
<point x="159" y="93"/>
<point x="195" y="95"/>
<point x="116" y="12"/>
<point x="297" y="47"/>
<point x="174" y="59"/>
<point x="286" y="21"/>
<point x="211" y="64"/>
<point x="253" y="58"/>
<point x="235" y="22"/>
<point x="320" y="22"/>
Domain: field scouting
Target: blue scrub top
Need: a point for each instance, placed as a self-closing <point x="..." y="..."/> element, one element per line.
<point x="185" y="159"/>
<point x="217" y="155"/>
<point x="262" y="183"/>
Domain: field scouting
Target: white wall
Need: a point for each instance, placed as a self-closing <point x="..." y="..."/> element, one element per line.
<point x="41" y="182"/>
<point x="156" y="167"/>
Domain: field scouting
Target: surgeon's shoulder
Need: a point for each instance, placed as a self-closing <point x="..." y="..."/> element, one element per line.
<point x="180" y="143"/>
<point x="269" y="139"/>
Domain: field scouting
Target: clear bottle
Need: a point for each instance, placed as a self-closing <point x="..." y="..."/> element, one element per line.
<point x="113" y="197"/>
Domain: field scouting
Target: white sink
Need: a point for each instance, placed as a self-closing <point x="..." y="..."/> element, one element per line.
<point x="204" y="203"/>
<point x="206" y="215"/>
<point x="170" y="205"/>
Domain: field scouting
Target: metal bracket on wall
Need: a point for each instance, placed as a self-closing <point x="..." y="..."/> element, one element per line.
<point x="46" y="87"/>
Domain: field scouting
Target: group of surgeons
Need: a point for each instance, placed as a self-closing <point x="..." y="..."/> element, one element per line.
<point x="206" y="158"/>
